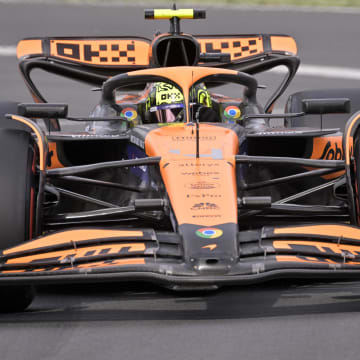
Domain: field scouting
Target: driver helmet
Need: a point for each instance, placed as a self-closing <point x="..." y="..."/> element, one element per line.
<point x="200" y="96"/>
<point x="165" y="102"/>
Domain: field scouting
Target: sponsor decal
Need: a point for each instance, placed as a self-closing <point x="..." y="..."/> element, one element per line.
<point x="197" y="164"/>
<point x="323" y="252"/>
<point x="237" y="47"/>
<point x="129" y="113"/>
<point x="206" y="216"/>
<point x="205" y="195"/>
<point x="91" y="136"/>
<point x="232" y="112"/>
<point x="70" y="257"/>
<point x="205" y="206"/>
<point x="100" y="52"/>
<point x="332" y="152"/>
<point x="140" y="143"/>
<point x="209" y="233"/>
<point x="90" y="265"/>
<point x="283" y="132"/>
<point x="193" y="138"/>
<point x="201" y="185"/>
<point x="200" y="173"/>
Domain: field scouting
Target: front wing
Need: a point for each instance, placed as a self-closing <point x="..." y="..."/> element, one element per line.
<point x="83" y="255"/>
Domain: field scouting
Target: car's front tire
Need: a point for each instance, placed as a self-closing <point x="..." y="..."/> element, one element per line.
<point x="17" y="205"/>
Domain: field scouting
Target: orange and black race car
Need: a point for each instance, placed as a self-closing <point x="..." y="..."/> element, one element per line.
<point x="169" y="180"/>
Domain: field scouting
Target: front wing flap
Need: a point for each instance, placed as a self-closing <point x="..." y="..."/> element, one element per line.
<point x="81" y="255"/>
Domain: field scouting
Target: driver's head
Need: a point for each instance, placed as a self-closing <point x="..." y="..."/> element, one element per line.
<point x="164" y="103"/>
<point x="200" y="96"/>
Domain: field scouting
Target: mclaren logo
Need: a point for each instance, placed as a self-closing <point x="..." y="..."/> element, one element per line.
<point x="211" y="247"/>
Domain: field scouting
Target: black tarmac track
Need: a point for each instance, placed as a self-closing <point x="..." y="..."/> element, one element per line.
<point x="276" y="321"/>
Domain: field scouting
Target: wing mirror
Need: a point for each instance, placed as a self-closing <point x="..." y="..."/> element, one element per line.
<point x="46" y="110"/>
<point x="326" y="106"/>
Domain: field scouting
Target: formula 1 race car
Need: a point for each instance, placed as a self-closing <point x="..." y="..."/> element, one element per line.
<point x="168" y="180"/>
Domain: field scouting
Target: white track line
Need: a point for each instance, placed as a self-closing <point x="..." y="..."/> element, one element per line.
<point x="330" y="72"/>
<point x="7" y="50"/>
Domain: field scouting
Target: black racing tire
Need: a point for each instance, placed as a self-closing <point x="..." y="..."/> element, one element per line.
<point x="10" y="108"/>
<point x="17" y="205"/>
<point x="16" y="298"/>
<point x="356" y="174"/>
<point x="329" y="121"/>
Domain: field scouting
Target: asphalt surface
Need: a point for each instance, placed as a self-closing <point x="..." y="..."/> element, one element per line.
<point x="274" y="321"/>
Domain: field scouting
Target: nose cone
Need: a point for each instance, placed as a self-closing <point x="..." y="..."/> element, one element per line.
<point x="210" y="250"/>
<point x="202" y="191"/>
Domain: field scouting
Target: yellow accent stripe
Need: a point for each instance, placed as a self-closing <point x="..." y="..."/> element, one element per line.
<point x="168" y="14"/>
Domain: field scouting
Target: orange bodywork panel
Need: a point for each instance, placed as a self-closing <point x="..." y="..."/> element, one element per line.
<point x="29" y="47"/>
<point x="90" y="265"/>
<point x="338" y="231"/>
<point x="71" y="249"/>
<point x="237" y="47"/>
<point x="184" y="76"/>
<point x="245" y="46"/>
<point x="328" y="148"/>
<point x="54" y="159"/>
<point x="137" y="51"/>
<point x="91" y="51"/>
<point x="305" y="259"/>
<point x="202" y="190"/>
<point x="283" y="43"/>
<point x="102" y="52"/>
<point x="79" y="253"/>
<point x="336" y="248"/>
<point x="324" y="249"/>
<point x="72" y="236"/>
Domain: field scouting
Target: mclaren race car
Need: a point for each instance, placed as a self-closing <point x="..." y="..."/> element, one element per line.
<point x="169" y="180"/>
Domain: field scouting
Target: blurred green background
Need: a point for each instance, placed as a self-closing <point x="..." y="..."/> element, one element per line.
<point x="335" y="3"/>
<point x="280" y="2"/>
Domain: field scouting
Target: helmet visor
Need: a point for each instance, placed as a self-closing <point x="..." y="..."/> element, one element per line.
<point x="167" y="113"/>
